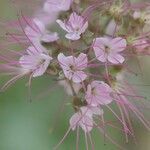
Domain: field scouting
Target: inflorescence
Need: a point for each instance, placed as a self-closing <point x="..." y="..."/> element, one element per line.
<point x="86" y="45"/>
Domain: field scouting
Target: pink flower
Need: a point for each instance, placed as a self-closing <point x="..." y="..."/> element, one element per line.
<point x="37" y="32"/>
<point x="84" y="118"/>
<point x="36" y="60"/>
<point x="108" y="49"/>
<point x="98" y="93"/>
<point x="73" y="67"/>
<point x="57" y="5"/>
<point x="75" y="26"/>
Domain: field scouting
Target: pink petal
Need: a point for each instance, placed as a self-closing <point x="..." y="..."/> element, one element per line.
<point x="27" y="62"/>
<point x="79" y="76"/>
<point x="32" y="50"/>
<point x="50" y="37"/>
<point x="101" y="42"/>
<point x="57" y="5"/>
<point x="96" y="111"/>
<point x="104" y="100"/>
<point x="84" y="27"/>
<point x="116" y="58"/>
<point x="73" y="36"/>
<point x="87" y="124"/>
<point x="40" y="70"/>
<point x="64" y="61"/>
<point x="63" y="25"/>
<point x="99" y="48"/>
<point x="118" y="44"/>
<point x="81" y="61"/>
<point x="101" y="96"/>
<point x="39" y="25"/>
<point x="86" y="111"/>
<point x="100" y="54"/>
<point x="74" y="121"/>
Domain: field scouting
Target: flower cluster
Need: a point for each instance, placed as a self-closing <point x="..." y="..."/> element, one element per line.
<point x="86" y="45"/>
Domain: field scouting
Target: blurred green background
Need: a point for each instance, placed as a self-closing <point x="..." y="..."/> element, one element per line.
<point x="41" y="124"/>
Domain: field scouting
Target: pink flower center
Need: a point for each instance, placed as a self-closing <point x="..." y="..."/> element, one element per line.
<point x="40" y="62"/>
<point x="107" y="49"/>
<point x="94" y="91"/>
<point x="73" y="68"/>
